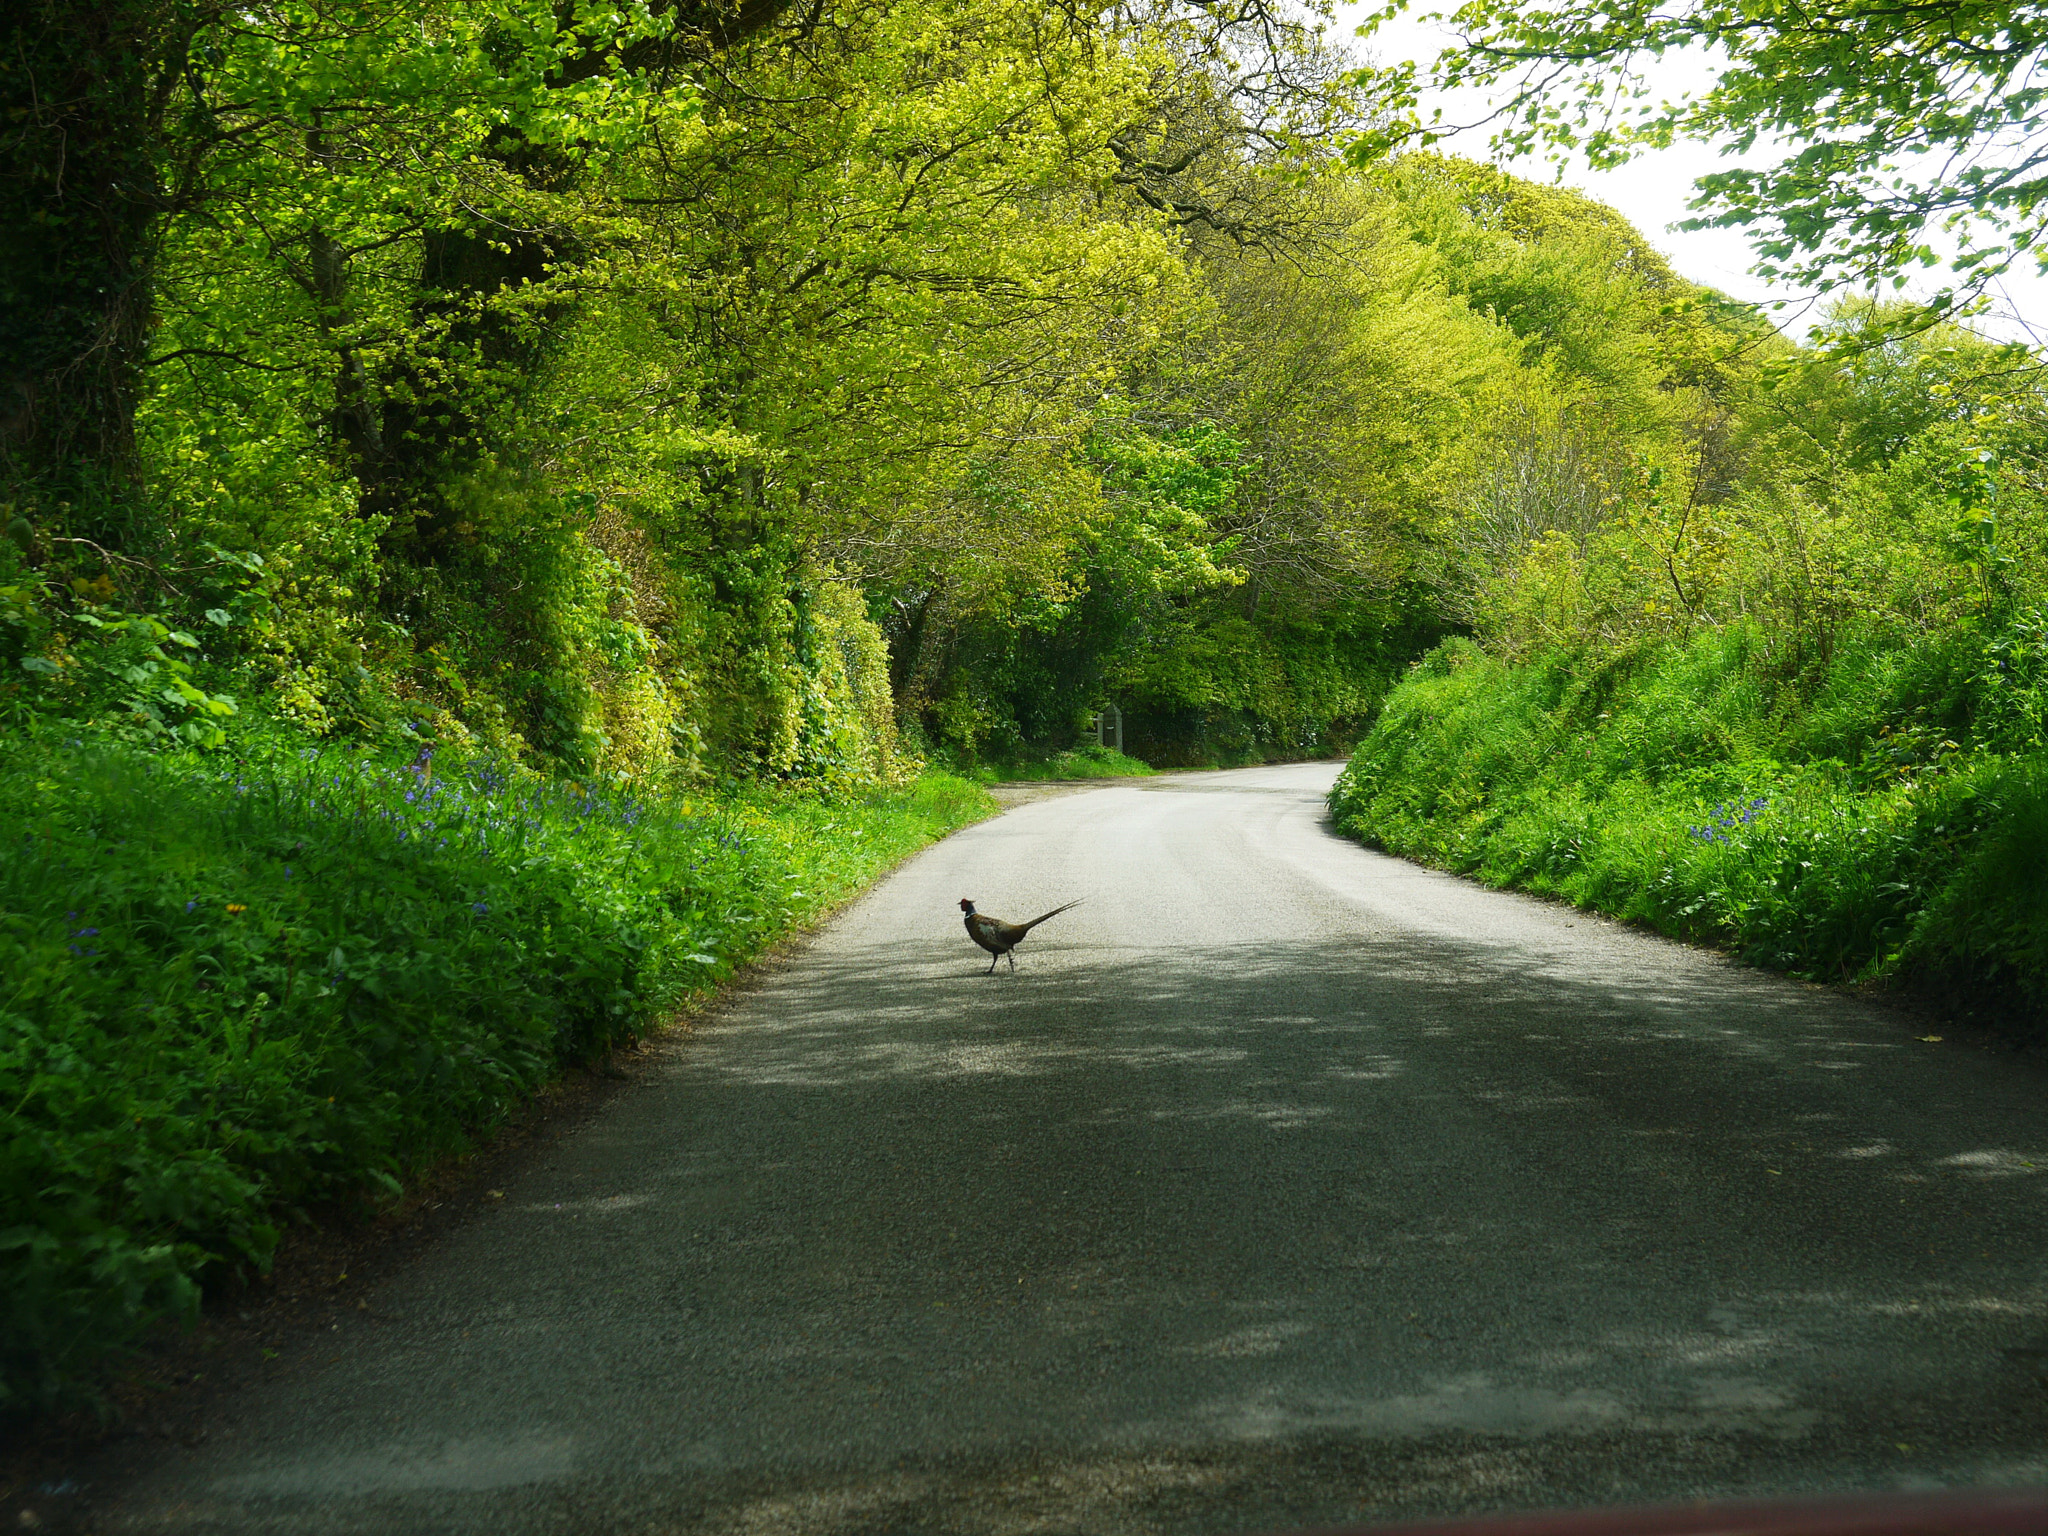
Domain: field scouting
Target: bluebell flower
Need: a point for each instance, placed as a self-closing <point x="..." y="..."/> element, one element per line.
<point x="480" y="907"/>
<point x="191" y="905"/>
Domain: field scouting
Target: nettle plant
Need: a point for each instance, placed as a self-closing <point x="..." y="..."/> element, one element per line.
<point x="132" y="672"/>
<point x="77" y="652"/>
<point x="145" y="668"/>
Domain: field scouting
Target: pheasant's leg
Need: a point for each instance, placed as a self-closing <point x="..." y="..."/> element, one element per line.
<point x="993" y="957"/>
<point x="1012" y="956"/>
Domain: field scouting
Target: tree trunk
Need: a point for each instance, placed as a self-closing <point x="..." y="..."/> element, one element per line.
<point x="83" y="89"/>
<point x="908" y="646"/>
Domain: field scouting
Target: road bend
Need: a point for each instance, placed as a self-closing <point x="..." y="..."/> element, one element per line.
<point x="1282" y="1184"/>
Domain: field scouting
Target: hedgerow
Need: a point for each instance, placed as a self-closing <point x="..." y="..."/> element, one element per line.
<point x="1895" y="825"/>
<point x="235" y="991"/>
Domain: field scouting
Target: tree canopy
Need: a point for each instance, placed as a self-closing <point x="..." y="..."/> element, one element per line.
<point x="1907" y="135"/>
<point x="666" y="389"/>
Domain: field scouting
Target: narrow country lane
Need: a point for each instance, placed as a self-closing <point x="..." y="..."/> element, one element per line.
<point x="1283" y="1184"/>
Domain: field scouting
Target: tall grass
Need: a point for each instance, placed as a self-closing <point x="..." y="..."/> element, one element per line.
<point x="233" y="993"/>
<point x="1893" y="822"/>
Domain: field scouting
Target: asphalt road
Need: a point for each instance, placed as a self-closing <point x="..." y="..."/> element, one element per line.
<point x="1282" y="1184"/>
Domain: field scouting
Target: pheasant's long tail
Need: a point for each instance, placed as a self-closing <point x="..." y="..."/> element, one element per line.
<point x="1055" y="912"/>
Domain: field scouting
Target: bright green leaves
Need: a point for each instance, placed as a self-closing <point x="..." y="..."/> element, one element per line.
<point x="338" y="147"/>
<point x="131" y="673"/>
<point x="881" y="282"/>
<point x="1900" y="130"/>
<point x="1162" y="492"/>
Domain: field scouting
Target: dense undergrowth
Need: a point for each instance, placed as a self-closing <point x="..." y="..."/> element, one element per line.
<point x="1892" y="822"/>
<point x="238" y="990"/>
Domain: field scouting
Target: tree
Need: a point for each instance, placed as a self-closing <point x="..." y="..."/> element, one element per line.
<point x="1908" y="124"/>
<point x="415" y="123"/>
<point x="87" y="91"/>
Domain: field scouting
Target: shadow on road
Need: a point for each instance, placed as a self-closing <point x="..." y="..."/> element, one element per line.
<point x="1224" y="1237"/>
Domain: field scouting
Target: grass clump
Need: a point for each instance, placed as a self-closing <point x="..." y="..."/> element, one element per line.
<point x="1891" y="823"/>
<point x="1087" y="761"/>
<point x="234" y="992"/>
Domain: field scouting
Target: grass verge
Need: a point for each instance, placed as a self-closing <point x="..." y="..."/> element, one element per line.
<point x="235" y="992"/>
<point x="1087" y="761"/>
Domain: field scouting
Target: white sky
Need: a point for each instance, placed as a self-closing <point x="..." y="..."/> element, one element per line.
<point x="1652" y="191"/>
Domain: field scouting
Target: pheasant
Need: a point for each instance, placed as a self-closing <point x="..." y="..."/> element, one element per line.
<point x="999" y="937"/>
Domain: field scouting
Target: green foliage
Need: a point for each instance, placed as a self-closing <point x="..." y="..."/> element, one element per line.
<point x="1678" y="787"/>
<point x="76" y="655"/>
<point x="1906" y="121"/>
<point x="237" y="990"/>
<point x="1164" y="492"/>
<point x="1089" y="760"/>
<point x="1276" y="488"/>
<point x="1779" y="689"/>
<point x="639" y="399"/>
<point x="1986" y="929"/>
<point x="766" y="324"/>
<point x="1768" y="674"/>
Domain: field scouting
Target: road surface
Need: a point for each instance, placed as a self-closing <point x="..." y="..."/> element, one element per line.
<point x="1283" y="1184"/>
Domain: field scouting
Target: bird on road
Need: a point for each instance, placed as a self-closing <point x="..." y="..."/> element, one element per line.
<point x="999" y="937"/>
